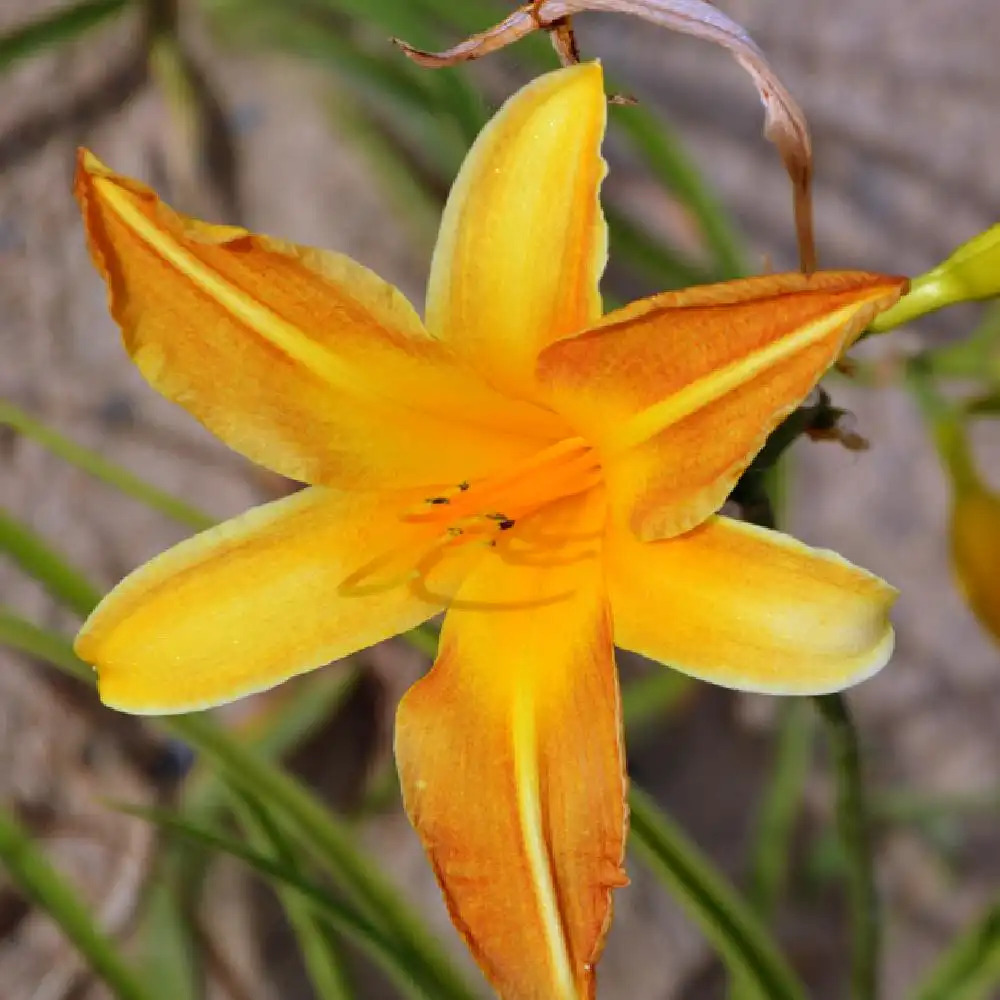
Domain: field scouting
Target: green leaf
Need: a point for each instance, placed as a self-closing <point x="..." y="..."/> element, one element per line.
<point x="670" y="164"/>
<point x="38" y="559"/>
<point x="168" y="939"/>
<point x="331" y="842"/>
<point x="312" y="700"/>
<point x="24" y="636"/>
<point x="727" y="921"/>
<point x="320" y="951"/>
<point x="327" y="837"/>
<point x="59" y="27"/>
<point x="970" y="968"/>
<point x="338" y="916"/>
<point x="649" y="699"/>
<point x="987" y="405"/>
<point x="100" y="468"/>
<point x="854" y="831"/>
<point x="649" y="256"/>
<point x="779" y="809"/>
<point x="37" y="879"/>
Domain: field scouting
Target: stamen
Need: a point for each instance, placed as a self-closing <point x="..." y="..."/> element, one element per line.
<point x="478" y="514"/>
<point x="545" y="561"/>
<point x="419" y="587"/>
<point x="360" y="583"/>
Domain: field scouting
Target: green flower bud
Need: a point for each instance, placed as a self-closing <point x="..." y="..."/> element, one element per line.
<point x="971" y="272"/>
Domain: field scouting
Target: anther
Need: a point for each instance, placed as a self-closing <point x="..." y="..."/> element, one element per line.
<point x="438" y="500"/>
<point x="464" y="485"/>
<point x="506" y="524"/>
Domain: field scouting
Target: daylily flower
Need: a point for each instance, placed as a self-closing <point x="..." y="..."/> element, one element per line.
<point x="546" y="475"/>
<point x="975" y="548"/>
<point x="975" y="525"/>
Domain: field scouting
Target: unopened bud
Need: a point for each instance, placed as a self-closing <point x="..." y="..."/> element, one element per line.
<point x="972" y="272"/>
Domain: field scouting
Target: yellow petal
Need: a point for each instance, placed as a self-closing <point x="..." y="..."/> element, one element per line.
<point x="749" y="608"/>
<point x="511" y="763"/>
<point x="253" y="602"/>
<point x="680" y="391"/>
<point x="300" y="359"/>
<point x="523" y="241"/>
<point x="975" y="549"/>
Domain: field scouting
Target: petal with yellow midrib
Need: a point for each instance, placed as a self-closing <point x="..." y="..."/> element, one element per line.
<point x="301" y="359"/>
<point x="258" y="599"/>
<point x="678" y="392"/>
<point x="523" y="241"/>
<point x="511" y="764"/>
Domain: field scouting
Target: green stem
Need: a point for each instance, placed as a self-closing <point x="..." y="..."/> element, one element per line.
<point x="854" y="829"/>
<point x="946" y="426"/>
<point x="36" y="878"/>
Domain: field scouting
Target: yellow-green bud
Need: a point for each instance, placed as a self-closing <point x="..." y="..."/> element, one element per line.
<point x="971" y="272"/>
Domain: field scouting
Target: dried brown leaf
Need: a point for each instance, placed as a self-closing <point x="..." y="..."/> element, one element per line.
<point x="784" y="124"/>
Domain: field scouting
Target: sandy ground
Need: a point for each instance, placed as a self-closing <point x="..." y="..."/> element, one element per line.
<point x="903" y="98"/>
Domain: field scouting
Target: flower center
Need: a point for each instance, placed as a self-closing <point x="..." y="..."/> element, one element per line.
<point x="497" y="503"/>
<point x="485" y="512"/>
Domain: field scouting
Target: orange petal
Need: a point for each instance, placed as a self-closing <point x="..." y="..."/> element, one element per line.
<point x="300" y="359"/>
<point x="523" y="241"/>
<point x="253" y="602"/>
<point x="975" y="550"/>
<point x="511" y="763"/>
<point x="680" y="391"/>
<point x="749" y="608"/>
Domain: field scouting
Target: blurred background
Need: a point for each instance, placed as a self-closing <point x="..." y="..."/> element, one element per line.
<point x="299" y="119"/>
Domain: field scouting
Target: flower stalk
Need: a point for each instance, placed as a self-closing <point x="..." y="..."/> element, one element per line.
<point x="854" y="828"/>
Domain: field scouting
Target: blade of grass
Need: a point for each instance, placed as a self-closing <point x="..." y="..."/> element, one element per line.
<point x="169" y="925"/>
<point x="100" y="468"/>
<point x="37" y="879"/>
<point x="970" y="968"/>
<point x="313" y="701"/>
<point x="321" y="954"/>
<point x="38" y="559"/>
<point x="649" y="255"/>
<point x="330" y="840"/>
<point x="338" y="916"/>
<point x="56" y="29"/>
<point x="779" y="808"/>
<point x="650" y="698"/>
<point x="725" y="918"/>
<point x="26" y="637"/>
<point x="855" y="838"/>
<point x="670" y="164"/>
<point x="325" y="835"/>
<point x="169" y="955"/>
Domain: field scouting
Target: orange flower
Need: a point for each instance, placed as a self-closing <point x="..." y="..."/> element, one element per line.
<point x="546" y="475"/>
<point x="975" y="549"/>
<point x="975" y="523"/>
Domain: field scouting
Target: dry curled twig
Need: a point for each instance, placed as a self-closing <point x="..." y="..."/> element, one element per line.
<point x="784" y="124"/>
